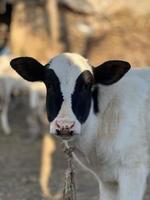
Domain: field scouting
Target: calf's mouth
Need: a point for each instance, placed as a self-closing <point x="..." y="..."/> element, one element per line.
<point x="65" y="133"/>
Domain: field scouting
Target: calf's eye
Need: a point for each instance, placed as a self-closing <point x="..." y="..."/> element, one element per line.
<point x="86" y="87"/>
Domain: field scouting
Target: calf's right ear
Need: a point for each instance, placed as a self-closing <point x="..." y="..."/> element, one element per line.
<point x="29" y="68"/>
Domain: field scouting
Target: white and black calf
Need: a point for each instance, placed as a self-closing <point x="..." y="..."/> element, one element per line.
<point x="107" y="119"/>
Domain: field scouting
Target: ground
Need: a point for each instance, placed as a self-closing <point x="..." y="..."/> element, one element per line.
<point x="20" y="163"/>
<point x="20" y="168"/>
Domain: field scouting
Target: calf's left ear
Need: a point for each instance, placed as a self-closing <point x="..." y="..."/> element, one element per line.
<point x="110" y="72"/>
<point x="29" y="68"/>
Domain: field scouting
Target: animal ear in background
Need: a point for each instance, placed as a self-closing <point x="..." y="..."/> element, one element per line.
<point x="29" y="68"/>
<point x="110" y="72"/>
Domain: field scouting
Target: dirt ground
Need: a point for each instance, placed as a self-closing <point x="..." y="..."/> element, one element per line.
<point x="20" y="161"/>
<point x="20" y="169"/>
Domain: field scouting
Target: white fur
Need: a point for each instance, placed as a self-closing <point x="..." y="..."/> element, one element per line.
<point x="118" y="145"/>
<point x="114" y="144"/>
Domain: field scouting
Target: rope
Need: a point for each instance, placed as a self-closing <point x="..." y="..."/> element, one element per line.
<point x="69" y="192"/>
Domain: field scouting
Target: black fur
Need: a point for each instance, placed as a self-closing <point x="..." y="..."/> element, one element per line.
<point x="95" y="99"/>
<point x="110" y="72"/>
<point x="54" y="97"/>
<point x="82" y="96"/>
<point x="29" y="68"/>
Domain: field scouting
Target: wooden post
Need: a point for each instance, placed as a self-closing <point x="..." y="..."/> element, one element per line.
<point x="53" y="20"/>
<point x="48" y="147"/>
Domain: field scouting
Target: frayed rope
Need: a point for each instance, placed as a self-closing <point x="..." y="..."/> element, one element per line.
<point x="69" y="192"/>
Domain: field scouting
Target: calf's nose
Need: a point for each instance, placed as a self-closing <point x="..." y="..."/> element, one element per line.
<point x="63" y="124"/>
<point x="64" y="127"/>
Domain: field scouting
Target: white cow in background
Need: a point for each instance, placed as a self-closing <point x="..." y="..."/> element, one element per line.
<point x="104" y="113"/>
<point x="11" y="84"/>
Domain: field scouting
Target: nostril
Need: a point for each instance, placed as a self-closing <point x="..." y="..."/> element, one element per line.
<point x="57" y="125"/>
<point x="72" y="125"/>
<point x="71" y="133"/>
<point x="58" y="132"/>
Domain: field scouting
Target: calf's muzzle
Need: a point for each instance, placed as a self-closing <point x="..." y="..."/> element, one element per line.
<point x="65" y="128"/>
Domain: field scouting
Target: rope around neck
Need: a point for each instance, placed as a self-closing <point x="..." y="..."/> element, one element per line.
<point x="69" y="192"/>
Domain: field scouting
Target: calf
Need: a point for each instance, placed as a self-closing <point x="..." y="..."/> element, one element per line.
<point x="104" y="113"/>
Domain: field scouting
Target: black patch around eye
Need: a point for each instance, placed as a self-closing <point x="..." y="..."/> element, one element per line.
<point x="95" y="99"/>
<point x="54" y="97"/>
<point x="82" y="96"/>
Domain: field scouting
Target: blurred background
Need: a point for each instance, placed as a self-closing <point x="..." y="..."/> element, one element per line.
<point x="99" y="30"/>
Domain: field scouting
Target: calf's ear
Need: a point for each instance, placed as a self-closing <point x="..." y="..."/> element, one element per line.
<point x="29" y="68"/>
<point x="110" y="72"/>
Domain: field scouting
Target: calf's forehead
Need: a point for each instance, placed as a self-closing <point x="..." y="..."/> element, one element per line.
<point x="68" y="66"/>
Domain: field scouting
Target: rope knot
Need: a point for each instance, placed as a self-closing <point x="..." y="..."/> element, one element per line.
<point x="68" y="151"/>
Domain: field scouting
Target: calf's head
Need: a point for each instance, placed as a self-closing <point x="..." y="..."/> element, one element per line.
<point x="70" y="81"/>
